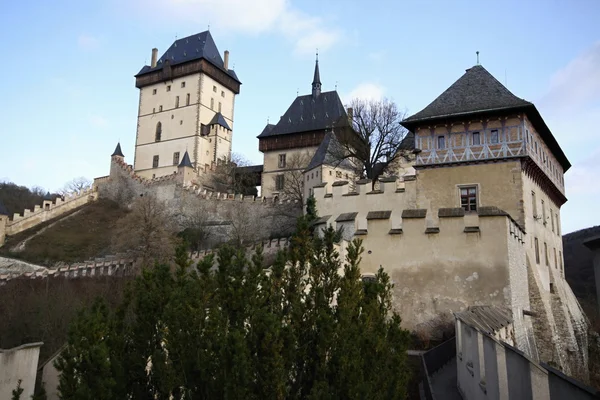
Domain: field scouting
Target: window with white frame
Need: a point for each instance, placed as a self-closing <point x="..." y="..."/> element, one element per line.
<point x="279" y="182"/>
<point x="494" y="136"/>
<point x="281" y="163"/>
<point x="441" y="142"/>
<point x="176" y="158"/>
<point x="476" y="138"/>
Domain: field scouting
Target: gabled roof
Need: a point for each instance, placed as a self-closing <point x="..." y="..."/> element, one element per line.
<point x="265" y="132"/>
<point x="185" y="161"/>
<point x="194" y="47"/>
<point x="310" y="113"/>
<point x="117" y="151"/>
<point x="477" y="90"/>
<point x="3" y="210"/>
<point x="218" y="119"/>
<point x="327" y="154"/>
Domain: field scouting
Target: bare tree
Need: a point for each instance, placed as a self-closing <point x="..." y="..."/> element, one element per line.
<point x="147" y="231"/>
<point x="373" y="143"/>
<point x="293" y="178"/>
<point x="247" y="225"/>
<point x="194" y="225"/>
<point x="231" y="177"/>
<point x="75" y="186"/>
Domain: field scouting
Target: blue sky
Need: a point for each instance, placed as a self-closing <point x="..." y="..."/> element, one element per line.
<point x="68" y="68"/>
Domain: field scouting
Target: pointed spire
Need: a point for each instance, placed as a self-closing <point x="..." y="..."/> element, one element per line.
<point x="185" y="161"/>
<point x="117" y="151"/>
<point x="316" y="85"/>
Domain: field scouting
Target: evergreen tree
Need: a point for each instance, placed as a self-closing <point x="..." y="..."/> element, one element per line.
<point x="18" y="391"/>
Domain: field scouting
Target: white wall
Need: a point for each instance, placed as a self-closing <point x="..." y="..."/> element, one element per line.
<point x="19" y="363"/>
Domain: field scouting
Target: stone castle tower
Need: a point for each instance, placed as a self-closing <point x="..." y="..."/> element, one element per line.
<point x="187" y="99"/>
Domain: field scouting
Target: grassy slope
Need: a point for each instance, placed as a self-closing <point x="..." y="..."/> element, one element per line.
<point x="82" y="236"/>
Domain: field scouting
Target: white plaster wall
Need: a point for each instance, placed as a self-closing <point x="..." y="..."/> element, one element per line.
<point x="19" y="363"/>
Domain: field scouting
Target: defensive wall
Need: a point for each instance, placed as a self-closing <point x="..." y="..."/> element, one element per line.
<point x="46" y="211"/>
<point x="441" y="260"/>
<point x="249" y="217"/>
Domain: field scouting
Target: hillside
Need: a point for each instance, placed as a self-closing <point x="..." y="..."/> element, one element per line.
<point x="83" y="234"/>
<point x="579" y="269"/>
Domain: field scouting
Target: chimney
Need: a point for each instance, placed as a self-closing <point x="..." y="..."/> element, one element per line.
<point x="226" y="60"/>
<point x="154" y="57"/>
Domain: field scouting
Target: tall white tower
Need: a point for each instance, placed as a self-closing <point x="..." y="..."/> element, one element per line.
<point x="187" y="99"/>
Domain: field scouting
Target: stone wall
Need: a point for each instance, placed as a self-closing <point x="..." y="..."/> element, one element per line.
<point x="19" y="363"/>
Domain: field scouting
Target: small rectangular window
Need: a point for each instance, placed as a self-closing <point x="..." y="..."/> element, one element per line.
<point x="338" y="174"/>
<point x="281" y="161"/>
<point x="154" y="110"/>
<point x="560" y="261"/>
<point x="468" y="198"/>
<point x="219" y="106"/>
<point x="441" y="141"/>
<point x="153" y="91"/>
<point x="187" y="99"/>
<point x="212" y="104"/>
<point x="176" y="101"/>
<point x="546" y="254"/>
<point x="557" y="225"/>
<point x="182" y="84"/>
<point x="552" y="219"/>
<point x="555" y="260"/>
<point x="222" y="93"/>
<point x="176" y="158"/>
<point x="543" y="213"/>
<point x="168" y="88"/>
<point x="494" y="136"/>
<point x="159" y="108"/>
<point x="215" y="89"/>
<point x="537" y="251"/>
<point x="279" y="182"/>
<point x="476" y="138"/>
<point x="155" y="162"/>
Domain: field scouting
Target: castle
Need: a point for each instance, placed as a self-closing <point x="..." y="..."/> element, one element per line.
<point x="470" y="217"/>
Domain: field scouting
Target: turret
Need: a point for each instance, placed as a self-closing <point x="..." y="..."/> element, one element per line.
<point x="316" y="85"/>
<point x="116" y="157"/>
<point x="185" y="170"/>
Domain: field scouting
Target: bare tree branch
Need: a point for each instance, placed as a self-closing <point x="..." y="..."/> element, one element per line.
<point x="293" y="178"/>
<point x="75" y="186"/>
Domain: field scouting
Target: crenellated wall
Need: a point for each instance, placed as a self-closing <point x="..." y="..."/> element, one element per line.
<point x="47" y="211"/>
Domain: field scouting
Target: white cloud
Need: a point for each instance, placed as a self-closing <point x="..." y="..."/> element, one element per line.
<point x="577" y="84"/>
<point x="87" y="42"/>
<point x="98" y="121"/>
<point x="365" y="91"/>
<point x="306" y="32"/>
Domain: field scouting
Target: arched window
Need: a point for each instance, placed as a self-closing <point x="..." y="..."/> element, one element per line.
<point x="158" y="132"/>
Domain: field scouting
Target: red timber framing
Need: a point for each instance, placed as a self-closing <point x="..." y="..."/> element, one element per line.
<point x="168" y="72"/>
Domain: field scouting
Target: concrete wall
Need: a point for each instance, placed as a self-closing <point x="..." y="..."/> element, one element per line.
<point x="489" y="368"/>
<point x="19" y="363"/>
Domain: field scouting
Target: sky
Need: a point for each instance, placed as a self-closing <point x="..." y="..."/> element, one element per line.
<point x="69" y="92"/>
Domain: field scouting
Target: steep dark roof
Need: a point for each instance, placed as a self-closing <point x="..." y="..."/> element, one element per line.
<point x="118" y="151"/>
<point x="327" y="153"/>
<point x="185" y="161"/>
<point x="3" y="210"/>
<point x="317" y="76"/>
<point x="194" y="47"/>
<point x="267" y="130"/>
<point x="408" y="143"/>
<point x="478" y="92"/>
<point x="218" y="119"/>
<point x="310" y="113"/>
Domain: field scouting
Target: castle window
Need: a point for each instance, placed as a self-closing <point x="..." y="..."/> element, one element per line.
<point x="546" y="254"/>
<point x="307" y="177"/>
<point x="212" y="104"/>
<point x="317" y="173"/>
<point x="537" y="251"/>
<point x="219" y="106"/>
<point x="176" y="158"/>
<point x="159" y="108"/>
<point x="533" y="204"/>
<point x="187" y="99"/>
<point x="180" y="122"/>
<point x="176" y="101"/>
<point x="153" y="91"/>
<point x="281" y="161"/>
<point x="494" y="136"/>
<point x="562" y="271"/>
<point x="338" y="174"/>
<point x="441" y="142"/>
<point x="155" y="162"/>
<point x="279" y="182"/>
<point x="330" y="173"/>
<point x="182" y="84"/>
<point x="543" y="213"/>
<point x="552" y="219"/>
<point x="476" y="138"/>
<point x="557" y="225"/>
<point x="153" y="110"/>
<point x="468" y="198"/>
<point x="158" y="134"/>
<point x="555" y="260"/>
<point x="222" y="93"/>
<point x="168" y="88"/>
<point x="215" y="89"/>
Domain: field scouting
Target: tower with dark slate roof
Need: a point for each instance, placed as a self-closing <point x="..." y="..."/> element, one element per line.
<point x="480" y="147"/>
<point x="290" y="144"/>
<point x="187" y="99"/>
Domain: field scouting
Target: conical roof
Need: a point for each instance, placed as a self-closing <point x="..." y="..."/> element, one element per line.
<point x="185" y="161"/>
<point x="476" y="91"/>
<point x="118" y="151"/>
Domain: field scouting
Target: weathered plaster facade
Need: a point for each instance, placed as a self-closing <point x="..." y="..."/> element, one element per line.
<point x="19" y="363"/>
